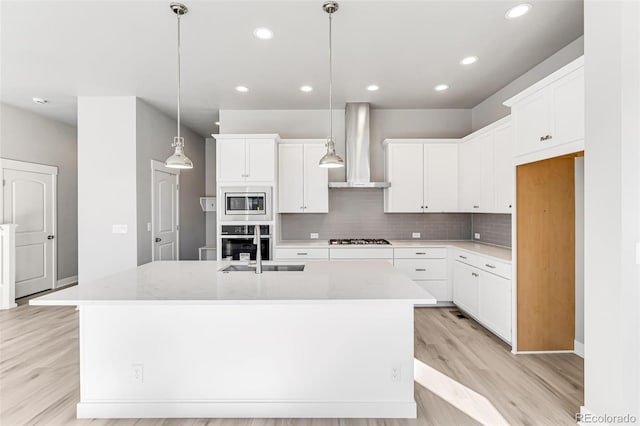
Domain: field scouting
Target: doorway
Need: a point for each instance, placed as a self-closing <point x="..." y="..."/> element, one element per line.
<point x="165" y="225"/>
<point x="29" y="201"/>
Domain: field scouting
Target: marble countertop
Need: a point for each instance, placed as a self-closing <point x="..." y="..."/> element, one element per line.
<point x="202" y="283"/>
<point x="501" y="253"/>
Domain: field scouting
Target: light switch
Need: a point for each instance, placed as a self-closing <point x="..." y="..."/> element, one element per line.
<point x="148" y="226"/>
<point x="119" y="229"/>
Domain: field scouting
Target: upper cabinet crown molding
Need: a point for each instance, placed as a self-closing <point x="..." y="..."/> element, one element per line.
<point x="572" y="66"/>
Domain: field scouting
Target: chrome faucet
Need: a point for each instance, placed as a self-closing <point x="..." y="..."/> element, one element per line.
<point x="257" y="242"/>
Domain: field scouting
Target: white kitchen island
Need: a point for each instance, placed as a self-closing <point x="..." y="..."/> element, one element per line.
<point x="182" y="339"/>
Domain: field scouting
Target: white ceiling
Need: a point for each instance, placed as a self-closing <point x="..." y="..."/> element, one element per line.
<point x="61" y="49"/>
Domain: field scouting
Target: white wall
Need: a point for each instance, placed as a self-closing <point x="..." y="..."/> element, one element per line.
<point x="491" y="109"/>
<point x="26" y="136"/>
<point x="612" y="212"/>
<point x="106" y="185"/>
<point x="401" y="123"/>
<point x="154" y="135"/>
<point x="579" y="259"/>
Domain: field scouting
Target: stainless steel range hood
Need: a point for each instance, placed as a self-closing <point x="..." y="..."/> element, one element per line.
<point x="357" y="152"/>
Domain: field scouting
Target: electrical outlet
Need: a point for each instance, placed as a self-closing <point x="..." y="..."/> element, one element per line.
<point x="415" y="235"/>
<point x="314" y="236"/>
<point x="395" y="374"/>
<point x="119" y="229"/>
<point x="148" y="226"/>
<point x="476" y="236"/>
<point x="138" y="372"/>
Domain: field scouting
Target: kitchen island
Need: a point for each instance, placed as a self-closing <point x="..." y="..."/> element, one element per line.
<point x="184" y="340"/>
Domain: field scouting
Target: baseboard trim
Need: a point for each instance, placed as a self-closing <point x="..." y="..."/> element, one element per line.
<point x="67" y="281"/>
<point x="135" y="410"/>
<point x="578" y="348"/>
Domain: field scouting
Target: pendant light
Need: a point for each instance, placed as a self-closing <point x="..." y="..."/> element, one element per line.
<point x="331" y="159"/>
<point x="178" y="160"/>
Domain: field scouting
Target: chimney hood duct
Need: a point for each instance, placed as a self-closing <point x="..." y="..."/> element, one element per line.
<point x="357" y="152"/>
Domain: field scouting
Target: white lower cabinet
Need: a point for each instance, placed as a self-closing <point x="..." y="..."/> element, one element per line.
<point x="427" y="266"/>
<point x="483" y="294"/>
<point x="302" y="254"/>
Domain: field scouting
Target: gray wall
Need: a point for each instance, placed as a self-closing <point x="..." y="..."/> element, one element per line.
<point x="210" y="189"/>
<point x="359" y="213"/>
<point x="26" y="136"/>
<point x="154" y="135"/>
<point x="491" y="109"/>
<point x="493" y="228"/>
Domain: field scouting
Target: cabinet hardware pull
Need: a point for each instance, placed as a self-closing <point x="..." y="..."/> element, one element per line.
<point x="422" y="207"/>
<point x="421" y="270"/>
<point x="462" y="257"/>
<point x="476" y="207"/>
<point x="488" y="265"/>
<point x="474" y="274"/>
<point x="421" y="253"/>
<point x="509" y="205"/>
<point x="545" y="138"/>
<point x="302" y="254"/>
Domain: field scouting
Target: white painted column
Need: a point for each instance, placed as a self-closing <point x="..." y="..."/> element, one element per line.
<point x="107" y="241"/>
<point x="612" y="208"/>
<point x="8" y="266"/>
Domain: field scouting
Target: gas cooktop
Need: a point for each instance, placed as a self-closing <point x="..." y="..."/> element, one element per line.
<point x="358" y="241"/>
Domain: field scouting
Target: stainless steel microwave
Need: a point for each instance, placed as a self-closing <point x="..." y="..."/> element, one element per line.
<point x="248" y="203"/>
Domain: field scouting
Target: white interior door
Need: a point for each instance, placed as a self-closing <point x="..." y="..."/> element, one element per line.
<point x="29" y="202"/>
<point x="165" y="215"/>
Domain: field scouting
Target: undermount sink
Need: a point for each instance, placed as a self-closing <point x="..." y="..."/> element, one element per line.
<point x="265" y="268"/>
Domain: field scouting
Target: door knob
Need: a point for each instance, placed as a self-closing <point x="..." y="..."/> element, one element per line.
<point x="158" y="239"/>
<point x="50" y="237"/>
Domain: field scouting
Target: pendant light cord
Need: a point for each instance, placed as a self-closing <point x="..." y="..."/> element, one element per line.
<point x="178" y="15"/>
<point x="330" y="84"/>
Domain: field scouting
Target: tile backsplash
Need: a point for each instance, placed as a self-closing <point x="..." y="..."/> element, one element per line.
<point x="358" y="213"/>
<point x="493" y="228"/>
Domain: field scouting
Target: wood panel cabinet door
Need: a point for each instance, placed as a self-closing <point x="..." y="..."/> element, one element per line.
<point x="567" y="108"/>
<point x="290" y="178"/>
<point x="494" y="303"/>
<point x="465" y="287"/>
<point x="316" y="180"/>
<point x="260" y="160"/>
<point x="504" y="169"/>
<point x="405" y="172"/>
<point x="531" y="123"/>
<point x="232" y="162"/>
<point x="440" y="178"/>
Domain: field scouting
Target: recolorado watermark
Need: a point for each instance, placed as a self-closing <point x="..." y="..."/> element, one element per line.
<point x="587" y="418"/>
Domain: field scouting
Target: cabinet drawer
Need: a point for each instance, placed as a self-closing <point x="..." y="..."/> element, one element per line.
<point x="361" y="253"/>
<point x="502" y="269"/>
<point x="437" y="288"/>
<point x="302" y="253"/>
<point x="423" y="269"/>
<point x="420" y="253"/>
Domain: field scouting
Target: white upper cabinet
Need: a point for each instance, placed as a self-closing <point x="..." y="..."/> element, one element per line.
<point x="423" y="174"/>
<point x="486" y="169"/>
<point x="303" y="186"/>
<point x="548" y="117"/>
<point x="245" y="158"/>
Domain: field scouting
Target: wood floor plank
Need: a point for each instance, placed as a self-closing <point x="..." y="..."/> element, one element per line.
<point x="39" y="377"/>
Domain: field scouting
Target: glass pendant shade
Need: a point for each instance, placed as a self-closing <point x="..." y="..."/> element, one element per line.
<point x="178" y="160"/>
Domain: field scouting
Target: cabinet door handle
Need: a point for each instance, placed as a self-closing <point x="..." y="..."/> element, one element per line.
<point x="422" y="207"/>
<point x="488" y="265"/>
<point x="474" y="274"/>
<point x="421" y="253"/>
<point x="545" y="138"/>
<point x="420" y="270"/>
<point x="476" y="207"/>
<point x="462" y="257"/>
<point x="302" y="254"/>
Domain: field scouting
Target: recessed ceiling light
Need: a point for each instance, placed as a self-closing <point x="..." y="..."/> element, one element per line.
<point x="217" y="123"/>
<point x="263" y="33"/>
<point x="517" y="11"/>
<point x="372" y="87"/>
<point x="306" y="88"/>
<point x="469" y="60"/>
<point x="242" y="89"/>
<point x="39" y="101"/>
<point x="441" y="87"/>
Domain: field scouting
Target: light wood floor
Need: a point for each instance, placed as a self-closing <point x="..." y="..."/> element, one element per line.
<point x="471" y="376"/>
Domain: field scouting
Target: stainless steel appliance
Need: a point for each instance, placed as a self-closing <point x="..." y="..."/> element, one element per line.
<point x="237" y="242"/>
<point x="358" y="241"/>
<point x="246" y="204"/>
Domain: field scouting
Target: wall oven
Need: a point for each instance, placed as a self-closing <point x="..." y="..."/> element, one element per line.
<point x="246" y="204"/>
<point x="237" y="242"/>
